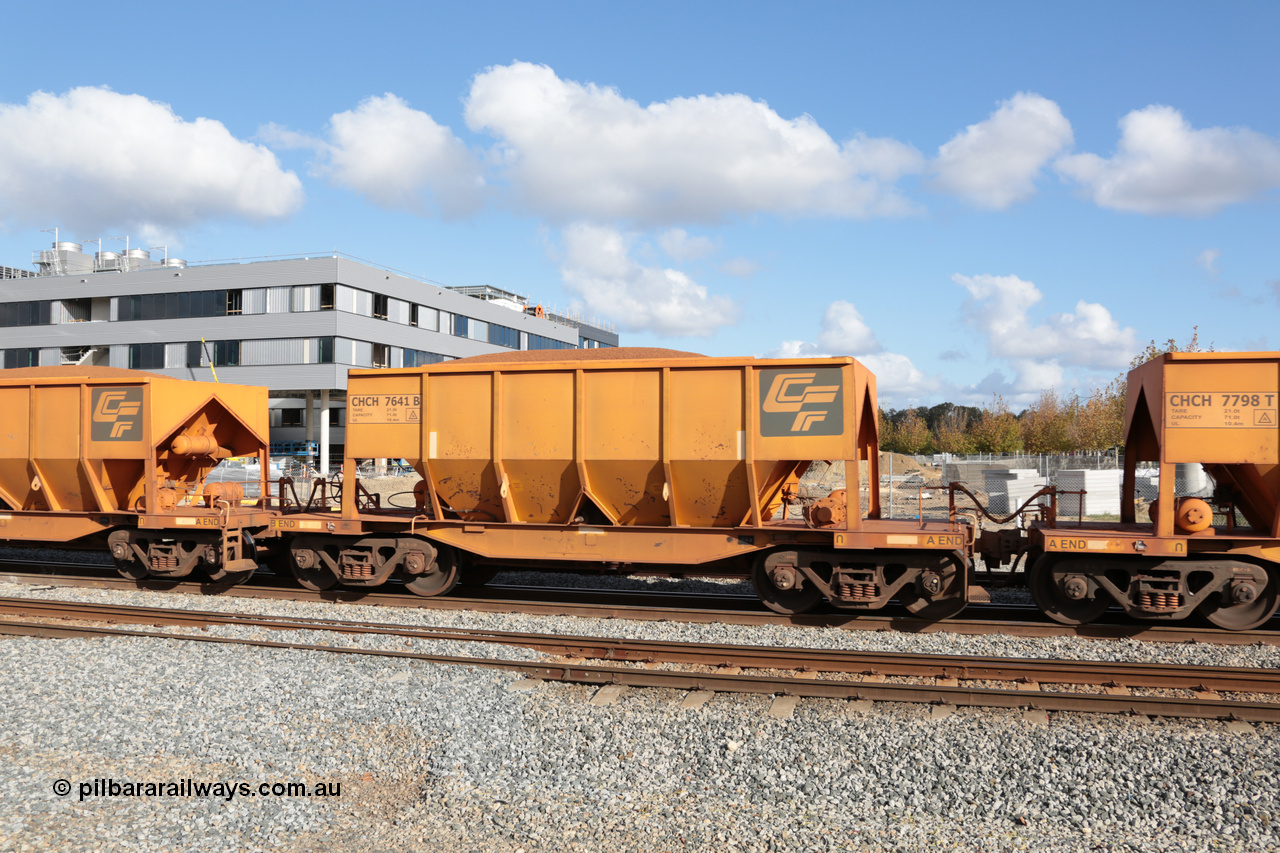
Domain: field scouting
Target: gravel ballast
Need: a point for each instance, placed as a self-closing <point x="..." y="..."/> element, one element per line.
<point x="459" y="758"/>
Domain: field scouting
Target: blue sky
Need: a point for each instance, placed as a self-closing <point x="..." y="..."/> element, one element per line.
<point x="971" y="198"/>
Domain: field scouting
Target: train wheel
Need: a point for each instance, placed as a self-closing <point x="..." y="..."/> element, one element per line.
<point x="473" y="575"/>
<point x="131" y="569"/>
<point x="1045" y="580"/>
<point x="441" y="577"/>
<point x="947" y="602"/>
<point x="785" y="601"/>
<point x="310" y="570"/>
<point x="1244" y="616"/>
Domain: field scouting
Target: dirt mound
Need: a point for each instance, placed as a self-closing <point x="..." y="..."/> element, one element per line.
<point x="901" y="464"/>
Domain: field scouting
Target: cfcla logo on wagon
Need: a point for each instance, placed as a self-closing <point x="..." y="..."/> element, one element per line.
<point x="805" y="402"/>
<point x="116" y="414"/>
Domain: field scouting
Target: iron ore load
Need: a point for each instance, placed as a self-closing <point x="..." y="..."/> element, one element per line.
<point x="624" y="460"/>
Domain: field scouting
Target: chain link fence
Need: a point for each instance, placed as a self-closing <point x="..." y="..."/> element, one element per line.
<point x="916" y="486"/>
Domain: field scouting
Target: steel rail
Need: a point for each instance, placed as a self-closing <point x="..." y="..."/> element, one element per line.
<point x="971" y="668"/>
<point x="1170" y="633"/>
<point x="1209" y="707"/>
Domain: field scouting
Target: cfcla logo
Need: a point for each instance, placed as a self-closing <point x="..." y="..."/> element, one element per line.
<point x="812" y="397"/>
<point x="115" y="413"/>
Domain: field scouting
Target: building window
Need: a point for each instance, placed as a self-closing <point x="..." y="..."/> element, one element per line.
<point x="24" y="357"/>
<point x="173" y="306"/>
<point x="381" y="355"/>
<point x="504" y="336"/>
<point x="424" y="317"/>
<point x="419" y="358"/>
<point x="326" y="297"/>
<point x="379" y="306"/>
<point x="539" y="342"/>
<point x="26" y="313"/>
<point x="460" y="324"/>
<point x="224" y="353"/>
<point x="235" y="302"/>
<point x="324" y="354"/>
<point x="291" y="417"/>
<point x="146" y="356"/>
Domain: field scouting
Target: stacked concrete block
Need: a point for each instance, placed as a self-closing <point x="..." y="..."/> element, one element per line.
<point x="1008" y="488"/>
<point x="1102" y="492"/>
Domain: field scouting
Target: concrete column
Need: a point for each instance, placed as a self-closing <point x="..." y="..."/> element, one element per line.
<point x="324" y="433"/>
<point x="307" y="422"/>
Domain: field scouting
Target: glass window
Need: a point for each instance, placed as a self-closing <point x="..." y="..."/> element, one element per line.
<point x="419" y="358"/>
<point x="504" y="336"/>
<point x="146" y="356"/>
<point x="540" y="342"/>
<point x="26" y="313"/>
<point x="24" y="357"/>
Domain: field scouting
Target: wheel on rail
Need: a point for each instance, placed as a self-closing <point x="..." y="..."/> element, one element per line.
<point x="798" y="595"/>
<point x="1244" y="616"/>
<point x="1063" y="595"/>
<point x="950" y="599"/>
<point x="470" y="574"/>
<point x="310" y="570"/>
<point x="441" y="576"/>
<point x="130" y="569"/>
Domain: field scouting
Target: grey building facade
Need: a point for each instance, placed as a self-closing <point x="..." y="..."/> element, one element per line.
<point x="294" y="325"/>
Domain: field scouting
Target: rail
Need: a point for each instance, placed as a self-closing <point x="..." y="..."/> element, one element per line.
<point x="869" y="669"/>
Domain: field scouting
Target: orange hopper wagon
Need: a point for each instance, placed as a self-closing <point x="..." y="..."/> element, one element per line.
<point x="1218" y="556"/>
<point x="623" y="459"/>
<point x="93" y="456"/>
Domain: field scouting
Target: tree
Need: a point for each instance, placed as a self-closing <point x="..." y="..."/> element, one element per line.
<point x="912" y="435"/>
<point x="1046" y="426"/>
<point x="997" y="431"/>
<point x="954" y="433"/>
<point x="1099" y="423"/>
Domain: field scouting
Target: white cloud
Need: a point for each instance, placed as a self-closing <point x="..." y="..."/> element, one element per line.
<point x="582" y="151"/>
<point x="1163" y="165"/>
<point x="998" y="307"/>
<point x="898" y="381"/>
<point x="844" y="332"/>
<point x="396" y="156"/>
<point x="995" y="163"/>
<point x="598" y="267"/>
<point x="1208" y="259"/>
<point x="679" y="246"/>
<point x="94" y="159"/>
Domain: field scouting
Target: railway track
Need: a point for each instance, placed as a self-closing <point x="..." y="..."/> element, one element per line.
<point x="797" y="672"/>
<point x="736" y="609"/>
